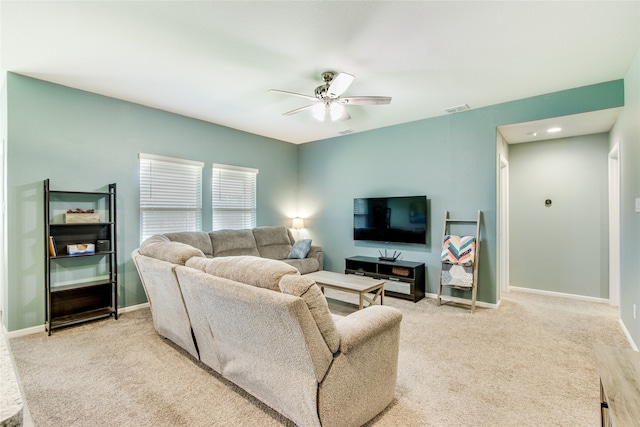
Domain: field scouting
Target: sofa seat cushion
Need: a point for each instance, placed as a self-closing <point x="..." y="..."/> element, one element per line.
<point x="160" y="247"/>
<point x="273" y="242"/>
<point x="233" y="243"/>
<point x="304" y="266"/>
<point x="308" y="290"/>
<point x="197" y="239"/>
<point x="255" y="271"/>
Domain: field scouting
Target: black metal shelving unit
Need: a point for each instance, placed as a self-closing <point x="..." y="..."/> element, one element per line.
<point x="80" y="288"/>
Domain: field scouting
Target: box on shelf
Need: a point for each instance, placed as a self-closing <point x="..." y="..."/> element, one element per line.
<point x="81" y="218"/>
<point x="401" y="271"/>
<point x="81" y="249"/>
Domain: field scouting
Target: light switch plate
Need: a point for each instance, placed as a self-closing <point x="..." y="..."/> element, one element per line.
<point x="638" y="205"/>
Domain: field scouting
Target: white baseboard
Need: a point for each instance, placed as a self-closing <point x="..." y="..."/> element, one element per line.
<point x="41" y="328"/>
<point x="559" y="294"/>
<point x="628" y="335"/>
<point x="133" y="307"/>
<point x="464" y="301"/>
<point x="26" y="331"/>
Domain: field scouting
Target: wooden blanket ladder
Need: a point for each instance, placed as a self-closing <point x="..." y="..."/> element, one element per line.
<point x="459" y="261"/>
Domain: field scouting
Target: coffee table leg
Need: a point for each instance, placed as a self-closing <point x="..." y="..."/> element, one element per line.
<point x="372" y="301"/>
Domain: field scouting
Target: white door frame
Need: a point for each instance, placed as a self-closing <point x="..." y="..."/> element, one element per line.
<point x="614" y="225"/>
<point x="3" y="229"/>
<point x="503" y="225"/>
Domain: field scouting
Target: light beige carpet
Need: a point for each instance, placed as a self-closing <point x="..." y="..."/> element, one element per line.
<point x="528" y="363"/>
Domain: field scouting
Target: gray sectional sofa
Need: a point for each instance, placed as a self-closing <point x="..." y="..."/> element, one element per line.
<point x="262" y="325"/>
<point x="265" y="242"/>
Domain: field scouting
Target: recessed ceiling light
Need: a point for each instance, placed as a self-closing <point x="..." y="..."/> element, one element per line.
<point x="554" y="130"/>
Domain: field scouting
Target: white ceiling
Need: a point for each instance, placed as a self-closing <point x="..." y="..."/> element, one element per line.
<point x="215" y="61"/>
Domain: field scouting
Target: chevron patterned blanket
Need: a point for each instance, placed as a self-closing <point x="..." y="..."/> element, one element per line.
<point x="458" y="250"/>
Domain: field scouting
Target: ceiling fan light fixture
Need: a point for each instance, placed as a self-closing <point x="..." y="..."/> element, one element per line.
<point x="328" y="104"/>
<point x="336" y="111"/>
<point x="319" y="111"/>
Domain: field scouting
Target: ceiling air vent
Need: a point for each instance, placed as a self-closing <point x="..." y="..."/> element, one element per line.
<point x="457" y="108"/>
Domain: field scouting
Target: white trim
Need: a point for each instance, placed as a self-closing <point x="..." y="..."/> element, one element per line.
<point x="458" y="300"/>
<point x="503" y="225"/>
<point x="559" y="294"/>
<point x="613" y="172"/>
<point x="133" y="308"/>
<point x="235" y="168"/>
<point x="26" y="331"/>
<point x="41" y="328"/>
<point x="170" y="159"/>
<point x="628" y="335"/>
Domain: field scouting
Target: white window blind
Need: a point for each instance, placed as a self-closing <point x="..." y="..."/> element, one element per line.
<point x="170" y="195"/>
<point x="233" y="197"/>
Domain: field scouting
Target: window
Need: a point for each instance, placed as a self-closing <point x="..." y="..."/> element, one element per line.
<point x="170" y="195"/>
<point x="233" y="197"/>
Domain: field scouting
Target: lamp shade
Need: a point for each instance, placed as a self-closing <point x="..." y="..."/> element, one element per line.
<point x="297" y="223"/>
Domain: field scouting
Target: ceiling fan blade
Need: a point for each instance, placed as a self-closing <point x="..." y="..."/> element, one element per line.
<point x="339" y="84"/>
<point x="298" y="110"/>
<point x="365" y="100"/>
<point x="300" y="95"/>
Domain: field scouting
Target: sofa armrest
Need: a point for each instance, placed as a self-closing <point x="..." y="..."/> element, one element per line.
<point x="365" y="369"/>
<point x="363" y="325"/>
<point x="316" y="252"/>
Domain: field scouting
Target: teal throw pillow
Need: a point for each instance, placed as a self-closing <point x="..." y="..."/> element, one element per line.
<point x="300" y="249"/>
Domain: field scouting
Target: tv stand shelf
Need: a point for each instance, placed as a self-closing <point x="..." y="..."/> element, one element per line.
<point x="405" y="279"/>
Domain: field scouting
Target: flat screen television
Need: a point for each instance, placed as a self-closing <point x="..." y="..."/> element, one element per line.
<point x="390" y="219"/>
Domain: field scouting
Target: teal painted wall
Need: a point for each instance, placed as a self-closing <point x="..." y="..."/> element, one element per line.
<point x="452" y="159"/>
<point x="83" y="141"/>
<point x="626" y="132"/>
<point x="564" y="247"/>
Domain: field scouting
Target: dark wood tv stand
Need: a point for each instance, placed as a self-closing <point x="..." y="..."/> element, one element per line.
<point x="405" y="279"/>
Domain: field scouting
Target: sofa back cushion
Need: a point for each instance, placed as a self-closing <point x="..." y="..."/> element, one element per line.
<point x="273" y="242"/>
<point x="233" y="243"/>
<point x="255" y="271"/>
<point x="160" y="247"/>
<point x="308" y="290"/>
<point x="197" y="239"/>
<point x="267" y="342"/>
<point x="197" y="263"/>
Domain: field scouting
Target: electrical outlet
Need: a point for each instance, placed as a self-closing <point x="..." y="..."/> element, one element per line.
<point x="634" y="312"/>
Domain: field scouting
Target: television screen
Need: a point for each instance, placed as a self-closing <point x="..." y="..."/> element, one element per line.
<point x="390" y="219"/>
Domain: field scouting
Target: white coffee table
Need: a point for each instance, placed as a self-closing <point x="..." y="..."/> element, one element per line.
<point x="360" y="285"/>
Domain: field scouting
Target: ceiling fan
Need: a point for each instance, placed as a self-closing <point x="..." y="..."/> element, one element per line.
<point x="327" y="102"/>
